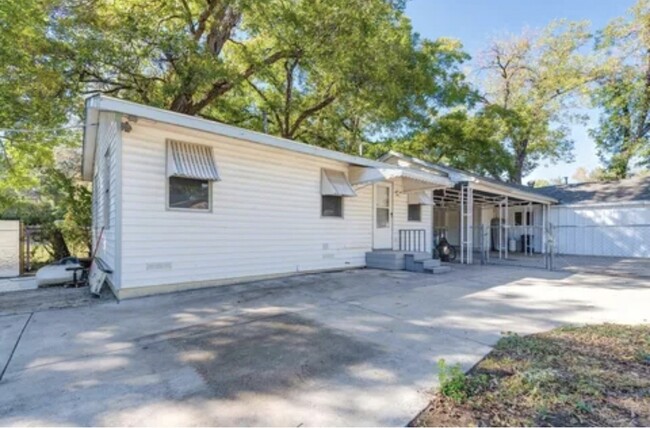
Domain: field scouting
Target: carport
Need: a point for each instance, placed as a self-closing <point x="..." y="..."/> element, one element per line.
<point x="489" y="220"/>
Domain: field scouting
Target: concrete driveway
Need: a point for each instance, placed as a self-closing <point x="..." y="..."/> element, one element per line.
<point x="349" y="348"/>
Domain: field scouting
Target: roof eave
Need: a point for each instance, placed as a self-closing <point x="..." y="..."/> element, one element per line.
<point x="89" y="137"/>
<point x="99" y="103"/>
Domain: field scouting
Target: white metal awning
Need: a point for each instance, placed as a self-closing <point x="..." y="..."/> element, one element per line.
<point x="412" y="180"/>
<point x="335" y="183"/>
<point x="420" y="197"/>
<point x="189" y="160"/>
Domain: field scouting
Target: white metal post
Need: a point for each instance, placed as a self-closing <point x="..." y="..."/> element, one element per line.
<point x="462" y="223"/>
<point x="506" y="228"/>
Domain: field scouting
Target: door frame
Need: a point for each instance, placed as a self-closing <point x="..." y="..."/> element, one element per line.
<point x="391" y="207"/>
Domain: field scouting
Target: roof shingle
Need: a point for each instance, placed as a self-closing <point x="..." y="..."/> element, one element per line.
<point x="626" y="190"/>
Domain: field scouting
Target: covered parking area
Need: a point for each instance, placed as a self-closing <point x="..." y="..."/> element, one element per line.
<point x="491" y="222"/>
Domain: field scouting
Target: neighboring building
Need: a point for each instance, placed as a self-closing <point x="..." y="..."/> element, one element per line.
<point x="182" y="202"/>
<point x="610" y="218"/>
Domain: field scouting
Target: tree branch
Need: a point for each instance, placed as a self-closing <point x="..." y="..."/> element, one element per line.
<point x="222" y="86"/>
<point x="310" y="111"/>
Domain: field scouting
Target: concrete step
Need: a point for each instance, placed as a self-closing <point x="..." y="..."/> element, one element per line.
<point x="439" y="269"/>
<point x="421" y="256"/>
<point x="412" y="264"/>
<point x="385" y="260"/>
<point x="431" y="263"/>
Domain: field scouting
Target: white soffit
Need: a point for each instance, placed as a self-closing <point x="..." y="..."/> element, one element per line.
<point x="414" y="180"/>
<point x="335" y="183"/>
<point x="189" y="160"/>
<point x="420" y="197"/>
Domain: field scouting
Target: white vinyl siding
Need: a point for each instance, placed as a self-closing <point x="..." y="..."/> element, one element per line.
<point x="401" y="221"/>
<point x="105" y="187"/>
<point x="266" y="214"/>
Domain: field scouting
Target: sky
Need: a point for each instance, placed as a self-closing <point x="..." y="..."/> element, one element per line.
<point x="476" y="22"/>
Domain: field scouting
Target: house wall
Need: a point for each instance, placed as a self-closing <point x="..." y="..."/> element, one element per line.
<point x="621" y="230"/>
<point x="106" y="175"/>
<point x="265" y="217"/>
<point x="400" y="217"/>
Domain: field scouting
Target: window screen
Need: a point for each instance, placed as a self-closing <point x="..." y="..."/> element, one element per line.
<point x="518" y="219"/>
<point x="332" y="206"/>
<point x="415" y="212"/>
<point x="189" y="194"/>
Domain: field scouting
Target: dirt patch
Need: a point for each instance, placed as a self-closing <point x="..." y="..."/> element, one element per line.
<point x="571" y="376"/>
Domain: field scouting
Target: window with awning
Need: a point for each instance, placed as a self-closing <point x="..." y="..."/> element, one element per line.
<point x="191" y="169"/>
<point x="335" y="183"/>
<point x="188" y="160"/>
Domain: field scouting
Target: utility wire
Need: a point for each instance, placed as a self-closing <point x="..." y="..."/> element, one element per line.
<point x="35" y="131"/>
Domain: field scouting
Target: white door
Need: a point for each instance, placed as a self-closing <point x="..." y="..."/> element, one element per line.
<point x="382" y="237"/>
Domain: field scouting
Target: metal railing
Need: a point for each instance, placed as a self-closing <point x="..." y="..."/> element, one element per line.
<point x="413" y="240"/>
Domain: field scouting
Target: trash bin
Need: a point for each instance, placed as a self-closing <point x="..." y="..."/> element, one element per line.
<point x="512" y="245"/>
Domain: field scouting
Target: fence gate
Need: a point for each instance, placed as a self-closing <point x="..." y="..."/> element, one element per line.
<point x="10" y="248"/>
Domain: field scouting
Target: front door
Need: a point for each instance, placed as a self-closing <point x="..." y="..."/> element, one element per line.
<point x="383" y="217"/>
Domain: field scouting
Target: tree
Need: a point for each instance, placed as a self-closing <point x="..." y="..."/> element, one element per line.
<point x="331" y="73"/>
<point x="460" y="140"/>
<point x="34" y="97"/>
<point x="582" y="175"/>
<point x="623" y="95"/>
<point x="528" y="86"/>
<point x="37" y="119"/>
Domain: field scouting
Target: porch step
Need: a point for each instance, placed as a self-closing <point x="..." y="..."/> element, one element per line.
<point x="401" y="260"/>
<point x="390" y="260"/>
<point x="431" y="263"/>
<point x="439" y="269"/>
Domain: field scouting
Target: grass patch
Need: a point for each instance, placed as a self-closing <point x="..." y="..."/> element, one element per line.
<point x="572" y="376"/>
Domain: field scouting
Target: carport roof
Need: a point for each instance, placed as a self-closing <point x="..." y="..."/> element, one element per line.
<point x="481" y="182"/>
<point x="635" y="189"/>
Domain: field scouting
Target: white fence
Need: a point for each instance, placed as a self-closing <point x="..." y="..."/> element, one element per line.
<point x="10" y="257"/>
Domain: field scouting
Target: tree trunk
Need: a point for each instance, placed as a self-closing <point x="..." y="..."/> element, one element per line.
<point x="59" y="247"/>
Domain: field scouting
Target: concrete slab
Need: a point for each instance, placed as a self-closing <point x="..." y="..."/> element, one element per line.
<point x="358" y="347"/>
<point x="17" y="284"/>
<point x="10" y="328"/>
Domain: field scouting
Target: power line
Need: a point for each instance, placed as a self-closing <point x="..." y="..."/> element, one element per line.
<point x="36" y="131"/>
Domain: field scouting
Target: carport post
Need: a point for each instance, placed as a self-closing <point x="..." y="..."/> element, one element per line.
<point x="506" y="228"/>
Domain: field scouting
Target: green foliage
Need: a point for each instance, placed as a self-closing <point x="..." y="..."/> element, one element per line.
<point x="460" y="140"/>
<point x="453" y="381"/>
<point x="529" y="84"/>
<point x="623" y="93"/>
<point x="331" y="73"/>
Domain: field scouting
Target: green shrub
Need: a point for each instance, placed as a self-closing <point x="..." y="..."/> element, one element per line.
<point x="453" y="381"/>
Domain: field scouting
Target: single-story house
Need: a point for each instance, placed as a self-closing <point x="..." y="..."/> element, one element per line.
<point x="182" y="202"/>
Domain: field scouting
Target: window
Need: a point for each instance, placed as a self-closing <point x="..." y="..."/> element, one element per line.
<point x="189" y="194"/>
<point x="519" y="219"/>
<point x="331" y="206"/>
<point x="107" y="189"/>
<point x="191" y="170"/>
<point x="415" y="212"/>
